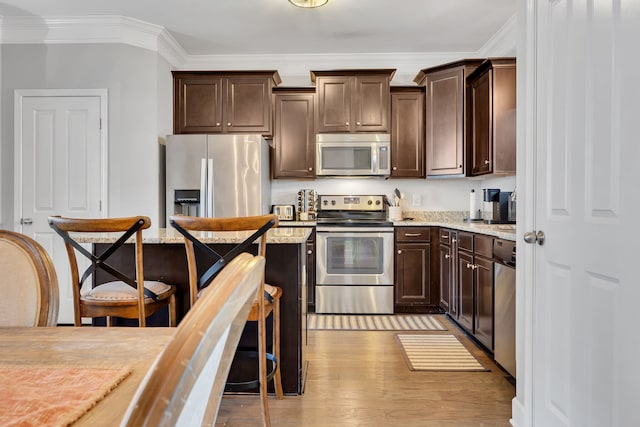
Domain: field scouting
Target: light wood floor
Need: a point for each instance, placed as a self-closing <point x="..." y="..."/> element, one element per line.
<point x="359" y="378"/>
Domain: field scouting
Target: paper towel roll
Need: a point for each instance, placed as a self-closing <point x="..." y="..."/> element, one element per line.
<point x="473" y="205"/>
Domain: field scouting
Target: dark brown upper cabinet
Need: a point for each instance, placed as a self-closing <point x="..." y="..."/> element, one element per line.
<point x="407" y="132"/>
<point x="352" y="100"/>
<point x="294" y="134"/>
<point x="446" y="116"/>
<point x="223" y="101"/>
<point x="492" y="133"/>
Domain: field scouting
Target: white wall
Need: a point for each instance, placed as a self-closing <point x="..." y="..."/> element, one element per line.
<point x="441" y="194"/>
<point x="139" y="108"/>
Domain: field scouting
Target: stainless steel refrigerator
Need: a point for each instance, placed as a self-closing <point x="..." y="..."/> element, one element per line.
<point x="224" y="175"/>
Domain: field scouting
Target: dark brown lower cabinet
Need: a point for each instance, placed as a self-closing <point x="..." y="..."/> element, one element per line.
<point x="415" y="288"/>
<point x="474" y="283"/>
<point x="483" y="316"/>
<point x="445" y="276"/>
<point x="465" y="289"/>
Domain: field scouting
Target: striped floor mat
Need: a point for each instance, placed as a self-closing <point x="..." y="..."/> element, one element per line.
<point x="363" y="322"/>
<point x="437" y="353"/>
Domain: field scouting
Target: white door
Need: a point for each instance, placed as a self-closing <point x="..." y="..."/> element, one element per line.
<point x="58" y="171"/>
<point x="585" y="285"/>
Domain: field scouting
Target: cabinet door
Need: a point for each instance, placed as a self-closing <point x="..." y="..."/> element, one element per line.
<point x="481" y="128"/>
<point x="413" y="261"/>
<point x="197" y="105"/>
<point x="294" y="136"/>
<point x="407" y="134"/>
<point x="247" y="104"/>
<point x="445" y="115"/>
<point x="371" y="104"/>
<point x="445" y="276"/>
<point x="465" y="289"/>
<point x="483" y="316"/>
<point x="454" y="299"/>
<point x="334" y="104"/>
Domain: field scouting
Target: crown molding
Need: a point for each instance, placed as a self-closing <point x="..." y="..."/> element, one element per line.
<point x="91" y="29"/>
<point x="503" y="42"/>
<point x="125" y="30"/>
<point x="405" y="63"/>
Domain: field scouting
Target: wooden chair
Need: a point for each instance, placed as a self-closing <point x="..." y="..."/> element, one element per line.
<point x="28" y="281"/>
<point x="268" y="300"/>
<point x="184" y="387"/>
<point x="120" y="298"/>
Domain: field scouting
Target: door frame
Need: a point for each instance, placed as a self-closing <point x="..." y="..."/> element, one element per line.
<point x="19" y="95"/>
<point x="522" y="403"/>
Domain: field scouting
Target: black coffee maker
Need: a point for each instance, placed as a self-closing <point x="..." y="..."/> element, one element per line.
<point x="495" y="206"/>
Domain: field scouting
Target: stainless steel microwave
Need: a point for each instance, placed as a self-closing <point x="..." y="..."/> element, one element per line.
<point x="353" y="154"/>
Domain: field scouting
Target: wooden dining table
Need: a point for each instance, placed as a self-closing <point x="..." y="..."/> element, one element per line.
<point x="136" y="348"/>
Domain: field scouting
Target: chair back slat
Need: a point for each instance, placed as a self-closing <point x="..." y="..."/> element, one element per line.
<point x="258" y="224"/>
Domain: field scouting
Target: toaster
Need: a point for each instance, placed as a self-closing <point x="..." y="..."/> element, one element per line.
<point x="284" y="212"/>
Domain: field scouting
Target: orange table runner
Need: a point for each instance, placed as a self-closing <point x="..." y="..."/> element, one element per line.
<point x="53" y="395"/>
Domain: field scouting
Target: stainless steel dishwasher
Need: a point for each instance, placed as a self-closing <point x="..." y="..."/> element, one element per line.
<point x="504" y="352"/>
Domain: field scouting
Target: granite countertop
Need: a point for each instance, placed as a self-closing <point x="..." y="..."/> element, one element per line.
<point x="447" y="219"/>
<point x="280" y="235"/>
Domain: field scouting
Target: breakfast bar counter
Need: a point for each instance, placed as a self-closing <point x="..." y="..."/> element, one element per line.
<point x="165" y="260"/>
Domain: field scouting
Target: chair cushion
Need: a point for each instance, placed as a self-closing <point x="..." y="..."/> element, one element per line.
<point x="120" y="291"/>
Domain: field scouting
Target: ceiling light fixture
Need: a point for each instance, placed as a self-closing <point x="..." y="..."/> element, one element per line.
<point x="308" y="3"/>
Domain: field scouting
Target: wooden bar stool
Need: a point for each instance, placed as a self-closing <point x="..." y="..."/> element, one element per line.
<point x="268" y="299"/>
<point x="123" y="297"/>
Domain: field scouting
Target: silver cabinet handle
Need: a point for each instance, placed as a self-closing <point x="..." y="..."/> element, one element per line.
<point x="217" y="123"/>
<point x="534" y="236"/>
<point x="412" y="234"/>
<point x="444" y="236"/>
<point x="454" y="240"/>
<point x="229" y="124"/>
<point x="358" y="123"/>
<point x="399" y="252"/>
<point x="310" y="169"/>
<point x="447" y="256"/>
<point x="486" y="162"/>
<point x="395" y="168"/>
<point x="346" y="123"/>
<point x="26" y="221"/>
<point x="309" y="251"/>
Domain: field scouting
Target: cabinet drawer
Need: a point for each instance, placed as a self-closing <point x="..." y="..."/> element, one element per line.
<point x="465" y="241"/>
<point x="445" y="236"/>
<point x="413" y="234"/>
<point x="484" y="246"/>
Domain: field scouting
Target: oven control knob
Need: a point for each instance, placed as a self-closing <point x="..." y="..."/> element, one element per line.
<point x="369" y="202"/>
<point x="377" y="202"/>
<point x="325" y="202"/>
<point x="333" y="202"/>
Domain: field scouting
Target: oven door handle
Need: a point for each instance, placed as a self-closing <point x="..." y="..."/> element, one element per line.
<point x="354" y="229"/>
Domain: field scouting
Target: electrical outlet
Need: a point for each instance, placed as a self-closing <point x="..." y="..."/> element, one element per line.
<point x="415" y="201"/>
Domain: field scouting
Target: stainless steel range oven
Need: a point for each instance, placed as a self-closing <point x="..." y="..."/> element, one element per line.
<point x="354" y="255"/>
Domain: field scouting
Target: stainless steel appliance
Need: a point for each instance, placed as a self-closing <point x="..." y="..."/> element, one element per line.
<point x="504" y="346"/>
<point x="284" y="212"/>
<point x="353" y="154"/>
<point x="223" y="175"/>
<point x="354" y="255"/>
<point x="496" y="207"/>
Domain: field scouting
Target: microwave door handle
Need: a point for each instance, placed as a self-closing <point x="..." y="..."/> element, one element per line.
<point x="374" y="158"/>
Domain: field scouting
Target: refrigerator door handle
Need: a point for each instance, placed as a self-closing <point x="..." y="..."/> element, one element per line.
<point x="203" y="187"/>
<point x="210" y="212"/>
